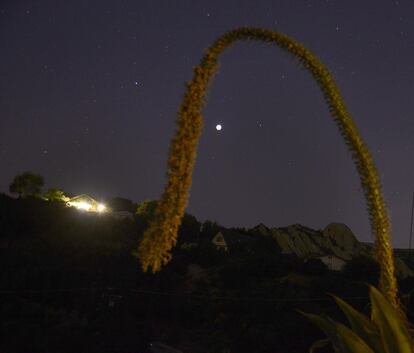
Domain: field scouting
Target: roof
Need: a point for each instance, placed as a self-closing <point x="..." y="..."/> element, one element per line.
<point x="83" y="197"/>
<point x="232" y="237"/>
<point x="318" y="256"/>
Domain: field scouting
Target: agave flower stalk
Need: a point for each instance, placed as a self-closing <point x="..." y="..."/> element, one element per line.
<point x="155" y="248"/>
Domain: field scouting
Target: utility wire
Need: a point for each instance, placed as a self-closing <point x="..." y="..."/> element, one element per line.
<point x="172" y="294"/>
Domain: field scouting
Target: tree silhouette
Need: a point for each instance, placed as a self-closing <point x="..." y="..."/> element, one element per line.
<point x="54" y="194"/>
<point x="27" y="184"/>
<point x="122" y="204"/>
<point x="146" y="209"/>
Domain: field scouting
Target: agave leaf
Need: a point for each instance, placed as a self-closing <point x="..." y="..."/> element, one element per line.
<point x="362" y="326"/>
<point x="394" y="334"/>
<point x="319" y="344"/>
<point x="327" y="326"/>
<point x="349" y="341"/>
<point x="342" y="338"/>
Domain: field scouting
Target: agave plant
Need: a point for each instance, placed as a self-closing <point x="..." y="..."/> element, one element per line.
<point x="161" y="236"/>
<point x="385" y="332"/>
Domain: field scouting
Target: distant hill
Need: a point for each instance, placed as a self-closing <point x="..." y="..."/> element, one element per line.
<point x="335" y="239"/>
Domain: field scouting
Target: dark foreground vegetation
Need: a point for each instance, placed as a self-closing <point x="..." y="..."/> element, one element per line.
<point x="71" y="282"/>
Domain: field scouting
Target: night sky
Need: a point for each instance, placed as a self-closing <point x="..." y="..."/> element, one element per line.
<point x="90" y="92"/>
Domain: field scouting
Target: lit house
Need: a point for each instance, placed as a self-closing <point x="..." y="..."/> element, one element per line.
<point x="86" y="203"/>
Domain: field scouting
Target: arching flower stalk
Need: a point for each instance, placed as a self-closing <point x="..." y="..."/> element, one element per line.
<point x="155" y="248"/>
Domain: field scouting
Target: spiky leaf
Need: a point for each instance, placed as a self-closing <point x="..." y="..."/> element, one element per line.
<point x="326" y="326"/>
<point x="394" y="334"/>
<point x="318" y="345"/>
<point x="343" y="339"/>
<point x="362" y="326"/>
<point x="349" y="341"/>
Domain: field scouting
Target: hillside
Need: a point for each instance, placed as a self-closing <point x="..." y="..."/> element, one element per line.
<point x="70" y="282"/>
<point x="335" y="239"/>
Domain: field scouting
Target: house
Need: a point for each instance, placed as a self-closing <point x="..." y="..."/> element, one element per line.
<point x="332" y="262"/>
<point x="86" y="203"/>
<point x="228" y="238"/>
<point x="219" y="241"/>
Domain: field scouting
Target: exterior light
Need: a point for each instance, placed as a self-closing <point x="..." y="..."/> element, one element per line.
<point x="87" y="203"/>
<point x="81" y="205"/>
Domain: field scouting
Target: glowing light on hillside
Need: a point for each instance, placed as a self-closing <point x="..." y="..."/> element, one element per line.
<point x="101" y="207"/>
<point x="81" y="205"/>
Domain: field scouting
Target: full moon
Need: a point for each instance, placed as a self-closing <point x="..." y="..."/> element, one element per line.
<point x="218" y="127"/>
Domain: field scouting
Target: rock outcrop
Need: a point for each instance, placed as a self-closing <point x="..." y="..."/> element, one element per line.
<point x="335" y="239"/>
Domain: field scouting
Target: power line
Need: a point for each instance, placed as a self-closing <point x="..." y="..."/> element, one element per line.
<point x="172" y="294"/>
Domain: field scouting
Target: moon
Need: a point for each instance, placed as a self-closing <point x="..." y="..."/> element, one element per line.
<point x="219" y="127"/>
